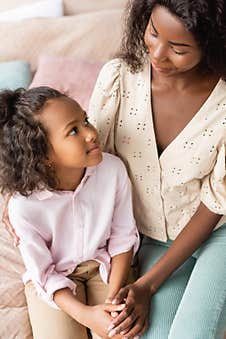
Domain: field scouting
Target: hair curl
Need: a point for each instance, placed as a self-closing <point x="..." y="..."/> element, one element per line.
<point x="23" y="141"/>
<point x="205" y="19"/>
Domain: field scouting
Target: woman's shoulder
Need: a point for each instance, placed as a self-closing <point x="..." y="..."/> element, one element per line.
<point x="117" y="74"/>
<point x="118" y="65"/>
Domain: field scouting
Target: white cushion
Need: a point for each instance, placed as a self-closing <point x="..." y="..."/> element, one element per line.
<point x="44" y="8"/>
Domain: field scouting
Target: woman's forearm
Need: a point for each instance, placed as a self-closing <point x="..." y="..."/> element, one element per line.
<point x="190" y="239"/>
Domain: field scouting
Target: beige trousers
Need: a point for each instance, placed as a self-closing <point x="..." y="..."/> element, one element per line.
<point x="49" y="323"/>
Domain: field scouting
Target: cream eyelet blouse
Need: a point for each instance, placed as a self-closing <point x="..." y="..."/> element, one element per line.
<point x="167" y="190"/>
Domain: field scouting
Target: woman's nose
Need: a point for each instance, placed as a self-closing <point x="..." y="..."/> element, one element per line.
<point x="159" y="52"/>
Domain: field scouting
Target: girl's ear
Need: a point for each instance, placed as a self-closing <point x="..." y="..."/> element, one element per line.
<point x="48" y="163"/>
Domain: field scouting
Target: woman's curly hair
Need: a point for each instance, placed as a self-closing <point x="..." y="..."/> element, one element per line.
<point x="205" y="19"/>
<point x="23" y="141"/>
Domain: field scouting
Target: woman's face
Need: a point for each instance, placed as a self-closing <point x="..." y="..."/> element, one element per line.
<point x="171" y="46"/>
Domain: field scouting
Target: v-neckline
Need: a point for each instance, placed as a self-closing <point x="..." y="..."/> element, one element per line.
<point x="191" y="122"/>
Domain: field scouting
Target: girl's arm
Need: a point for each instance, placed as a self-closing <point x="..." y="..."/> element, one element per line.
<point x="190" y="239"/>
<point x="53" y="286"/>
<point x="96" y="317"/>
<point x="120" y="266"/>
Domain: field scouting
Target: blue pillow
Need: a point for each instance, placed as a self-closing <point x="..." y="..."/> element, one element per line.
<point x="14" y="74"/>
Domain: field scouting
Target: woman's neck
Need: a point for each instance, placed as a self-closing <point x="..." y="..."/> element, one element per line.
<point x="184" y="81"/>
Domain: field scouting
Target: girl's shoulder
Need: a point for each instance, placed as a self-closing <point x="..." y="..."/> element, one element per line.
<point x="112" y="166"/>
<point x="25" y="205"/>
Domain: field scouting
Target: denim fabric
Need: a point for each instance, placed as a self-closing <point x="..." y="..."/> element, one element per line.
<point x="191" y="304"/>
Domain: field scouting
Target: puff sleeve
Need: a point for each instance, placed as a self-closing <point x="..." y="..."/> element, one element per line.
<point x="213" y="190"/>
<point x="104" y="103"/>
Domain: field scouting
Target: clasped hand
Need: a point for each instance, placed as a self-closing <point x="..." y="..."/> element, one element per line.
<point x="132" y="321"/>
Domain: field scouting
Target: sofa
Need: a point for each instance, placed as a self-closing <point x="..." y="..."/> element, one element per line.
<point x="63" y="44"/>
<point x="66" y="50"/>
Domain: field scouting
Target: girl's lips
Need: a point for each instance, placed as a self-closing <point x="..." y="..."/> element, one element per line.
<point x="94" y="149"/>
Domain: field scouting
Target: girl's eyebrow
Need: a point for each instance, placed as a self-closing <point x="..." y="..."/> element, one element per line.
<point x="72" y="122"/>
<point x="170" y="42"/>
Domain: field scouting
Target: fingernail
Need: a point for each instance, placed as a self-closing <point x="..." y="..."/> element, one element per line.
<point x="112" y="333"/>
<point x="122" y="306"/>
<point x="110" y="327"/>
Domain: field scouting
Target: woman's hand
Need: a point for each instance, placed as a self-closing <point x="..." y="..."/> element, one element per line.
<point x="98" y="318"/>
<point x="133" y="320"/>
<point x="9" y="227"/>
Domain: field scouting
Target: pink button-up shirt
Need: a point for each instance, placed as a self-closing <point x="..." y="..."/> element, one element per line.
<point x="58" y="230"/>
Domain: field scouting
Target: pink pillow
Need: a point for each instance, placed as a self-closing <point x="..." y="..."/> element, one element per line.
<point x="74" y="77"/>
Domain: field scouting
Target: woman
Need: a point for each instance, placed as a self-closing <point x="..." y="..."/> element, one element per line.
<point x="161" y="106"/>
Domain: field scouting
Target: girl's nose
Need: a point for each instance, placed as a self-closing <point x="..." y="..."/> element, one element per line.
<point x="91" y="136"/>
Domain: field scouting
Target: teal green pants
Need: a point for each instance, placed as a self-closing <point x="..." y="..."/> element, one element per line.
<point x="191" y="304"/>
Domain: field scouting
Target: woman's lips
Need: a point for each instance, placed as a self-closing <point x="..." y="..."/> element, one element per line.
<point x="160" y="69"/>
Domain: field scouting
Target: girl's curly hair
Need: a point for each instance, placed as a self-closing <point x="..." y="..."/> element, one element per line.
<point x="205" y="19"/>
<point x="23" y="141"/>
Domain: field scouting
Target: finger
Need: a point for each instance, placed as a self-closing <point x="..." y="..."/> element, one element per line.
<point x="114" y="314"/>
<point x="114" y="308"/>
<point x="126" y="330"/>
<point x="125" y="324"/>
<point x="108" y="300"/>
<point x="145" y="327"/>
<point x="121" y="295"/>
<point x="120" y="318"/>
<point x="135" y="330"/>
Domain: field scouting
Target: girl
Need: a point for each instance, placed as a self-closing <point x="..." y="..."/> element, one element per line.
<point x="71" y="207"/>
<point x="161" y="106"/>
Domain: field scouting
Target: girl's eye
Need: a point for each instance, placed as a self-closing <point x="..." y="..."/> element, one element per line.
<point x="73" y="131"/>
<point x="86" y="121"/>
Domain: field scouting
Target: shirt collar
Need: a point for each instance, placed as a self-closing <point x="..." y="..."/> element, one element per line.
<point x="46" y="194"/>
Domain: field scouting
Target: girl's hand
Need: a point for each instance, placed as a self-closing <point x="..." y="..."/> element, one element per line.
<point x="98" y="318"/>
<point x="109" y="301"/>
<point x="133" y="320"/>
<point x="9" y="227"/>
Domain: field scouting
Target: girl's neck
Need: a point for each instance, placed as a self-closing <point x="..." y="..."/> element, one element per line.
<point x="70" y="180"/>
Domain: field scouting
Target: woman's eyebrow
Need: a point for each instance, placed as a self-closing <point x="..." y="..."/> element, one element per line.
<point x="170" y="42"/>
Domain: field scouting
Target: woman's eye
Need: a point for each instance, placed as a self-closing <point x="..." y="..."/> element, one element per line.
<point x="86" y="121"/>
<point x="73" y="131"/>
<point x="153" y="33"/>
<point x="179" y="53"/>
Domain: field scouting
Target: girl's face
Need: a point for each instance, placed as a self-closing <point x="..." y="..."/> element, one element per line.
<point x="74" y="143"/>
<point x="172" y="48"/>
